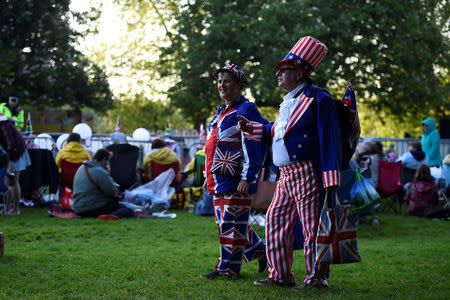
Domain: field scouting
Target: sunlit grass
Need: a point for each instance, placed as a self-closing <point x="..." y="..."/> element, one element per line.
<point x="45" y="257"/>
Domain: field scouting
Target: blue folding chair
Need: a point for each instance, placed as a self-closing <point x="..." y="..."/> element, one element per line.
<point x="3" y="191"/>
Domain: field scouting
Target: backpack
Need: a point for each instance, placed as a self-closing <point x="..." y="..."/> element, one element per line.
<point x="348" y="119"/>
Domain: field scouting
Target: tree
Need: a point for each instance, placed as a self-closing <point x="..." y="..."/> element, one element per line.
<point x="395" y="52"/>
<point x="39" y="62"/>
<point x="139" y="112"/>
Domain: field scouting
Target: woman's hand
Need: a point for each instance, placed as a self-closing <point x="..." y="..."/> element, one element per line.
<point x="244" y="125"/>
<point x="243" y="187"/>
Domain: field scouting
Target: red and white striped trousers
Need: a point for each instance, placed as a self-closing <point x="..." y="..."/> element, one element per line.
<point x="297" y="194"/>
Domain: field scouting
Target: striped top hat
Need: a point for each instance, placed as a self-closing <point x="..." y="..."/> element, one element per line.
<point x="306" y="55"/>
<point x="235" y="70"/>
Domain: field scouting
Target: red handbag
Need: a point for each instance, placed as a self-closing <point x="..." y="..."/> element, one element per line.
<point x="263" y="197"/>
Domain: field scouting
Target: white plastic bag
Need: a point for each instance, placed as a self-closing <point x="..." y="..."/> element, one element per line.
<point x="154" y="195"/>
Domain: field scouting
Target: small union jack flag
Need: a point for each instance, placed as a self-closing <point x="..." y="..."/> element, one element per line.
<point x="226" y="160"/>
<point x="202" y="136"/>
<point x="349" y="100"/>
<point x="117" y="128"/>
<point x="336" y="238"/>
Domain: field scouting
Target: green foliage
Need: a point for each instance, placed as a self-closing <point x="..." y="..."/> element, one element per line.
<point x="39" y="62"/>
<point x="140" y="112"/>
<point x="395" y="52"/>
<point x="49" y="258"/>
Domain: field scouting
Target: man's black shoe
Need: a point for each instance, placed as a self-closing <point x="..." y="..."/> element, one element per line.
<point x="211" y="275"/>
<point x="307" y="286"/>
<point x="271" y="282"/>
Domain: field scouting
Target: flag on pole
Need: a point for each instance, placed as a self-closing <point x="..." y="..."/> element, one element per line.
<point x="349" y="100"/>
<point x="117" y="129"/>
<point x="202" y="133"/>
<point x="29" y="126"/>
<point x="168" y="128"/>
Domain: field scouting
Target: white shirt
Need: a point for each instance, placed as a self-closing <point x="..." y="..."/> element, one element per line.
<point x="279" y="151"/>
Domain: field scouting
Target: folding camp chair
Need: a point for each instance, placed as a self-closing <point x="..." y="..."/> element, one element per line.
<point x="389" y="186"/>
<point x="68" y="170"/>
<point x="158" y="168"/>
<point x="407" y="175"/>
<point x="123" y="165"/>
<point x="443" y="199"/>
<point x="192" y="191"/>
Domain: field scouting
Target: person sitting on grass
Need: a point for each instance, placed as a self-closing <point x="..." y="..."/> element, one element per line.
<point x="95" y="192"/>
<point x="422" y="193"/>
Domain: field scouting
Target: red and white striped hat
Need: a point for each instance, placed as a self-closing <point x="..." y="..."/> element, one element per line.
<point x="306" y="55"/>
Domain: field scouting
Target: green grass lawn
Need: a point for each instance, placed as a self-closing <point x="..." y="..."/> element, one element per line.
<point x="45" y="258"/>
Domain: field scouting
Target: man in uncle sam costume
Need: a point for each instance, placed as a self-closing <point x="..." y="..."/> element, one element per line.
<point x="306" y="148"/>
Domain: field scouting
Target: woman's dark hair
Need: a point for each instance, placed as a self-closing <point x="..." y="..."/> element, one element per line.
<point x="416" y="145"/>
<point x="378" y="148"/>
<point x="158" y="143"/>
<point x="423" y="173"/>
<point x="101" y="154"/>
<point x="73" y="137"/>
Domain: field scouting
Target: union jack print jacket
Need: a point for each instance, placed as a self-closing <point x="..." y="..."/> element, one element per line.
<point x="230" y="157"/>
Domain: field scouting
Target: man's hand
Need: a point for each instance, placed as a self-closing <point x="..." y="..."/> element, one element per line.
<point x="244" y="125"/>
<point x="243" y="187"/>
<point x="119" y="197"/>
<point x="205" y="184"/>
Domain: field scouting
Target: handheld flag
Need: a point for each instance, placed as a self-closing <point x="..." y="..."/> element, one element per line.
<point x="29" y="127"/>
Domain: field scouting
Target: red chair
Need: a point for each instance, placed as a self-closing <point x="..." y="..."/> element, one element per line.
<point x="68" y="170"/>
<point x="389" y="185"/>
<point x="157" y="168"/>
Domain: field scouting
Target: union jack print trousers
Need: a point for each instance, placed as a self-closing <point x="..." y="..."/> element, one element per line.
<point x="238" y="241"/>
<point x="297" y="194"/>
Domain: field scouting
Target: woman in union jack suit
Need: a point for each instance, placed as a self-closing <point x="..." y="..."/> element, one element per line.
<point x="232" y="167"/>
<point x="306" y="147"/>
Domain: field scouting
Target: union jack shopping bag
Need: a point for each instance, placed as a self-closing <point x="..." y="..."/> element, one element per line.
<point x="336" y="237"/>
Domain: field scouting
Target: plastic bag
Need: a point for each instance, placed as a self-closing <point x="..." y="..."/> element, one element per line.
<point x="363" y="193"/>
<point x="67" y="198"/>
<point x="154" y="195"/>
